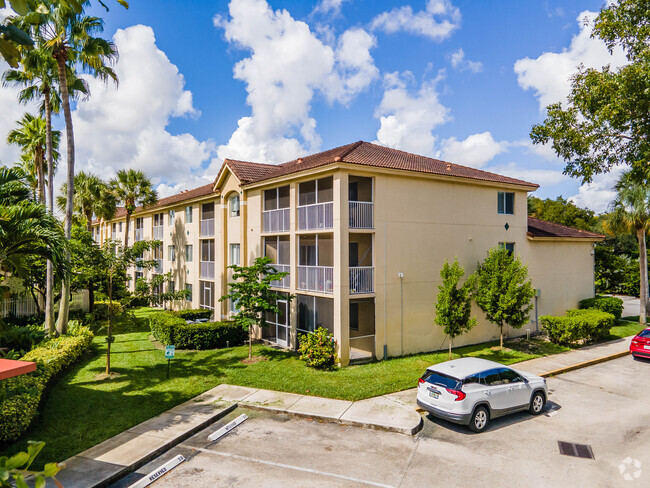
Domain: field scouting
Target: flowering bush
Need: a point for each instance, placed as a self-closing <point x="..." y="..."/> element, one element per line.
<point x="318" y="349"/>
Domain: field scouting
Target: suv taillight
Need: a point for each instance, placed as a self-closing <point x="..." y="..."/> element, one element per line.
<point x="420" y="381"/>
<point x="460" y="395"/>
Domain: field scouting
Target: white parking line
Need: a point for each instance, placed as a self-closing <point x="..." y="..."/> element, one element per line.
<point x="295" y="468"/>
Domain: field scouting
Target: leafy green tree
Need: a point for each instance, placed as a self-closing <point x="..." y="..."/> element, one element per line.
<point x="562" y="211"/>
<point x="251" y="291"/>
<point x="454" y="302"/>
<point x="92" y="196"/>
<point x="631" y="214"/>
<point x="503" y="290"/>
<point x="605" y="123"/>
<point x="132" y="188"/>
<point x="15" y="469"/>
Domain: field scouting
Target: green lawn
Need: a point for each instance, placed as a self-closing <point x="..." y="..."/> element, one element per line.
<point x="81" y="410"/>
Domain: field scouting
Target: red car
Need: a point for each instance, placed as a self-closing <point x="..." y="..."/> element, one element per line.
<point x="640" y="346"/>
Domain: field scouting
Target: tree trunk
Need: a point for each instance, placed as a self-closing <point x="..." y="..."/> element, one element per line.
<point x="50" y="326"/>
<point x="108" y="330"/>
<point x="126" y="229"/>
<point x="64" y="307"/>
<point x="40" y="174"/>
<point x="501" y="338"/>
<point x="643" y="275"/>
<point x="250" y="341"/>
<point x="91" y="284"/>
<point x="451" y="339"/>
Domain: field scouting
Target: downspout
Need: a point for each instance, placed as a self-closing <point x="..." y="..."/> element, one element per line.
<point x="385" y="284"/>
<point x="401" y="317"/>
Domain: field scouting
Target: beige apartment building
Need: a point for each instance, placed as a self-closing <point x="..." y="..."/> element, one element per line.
<point x="363" y="231"/>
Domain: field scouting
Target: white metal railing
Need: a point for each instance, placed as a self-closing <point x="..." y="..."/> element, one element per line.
<point x="361" y="215"/>
<point x="362" y="279"/>
<point x="139" y="234"/>
<point x="159" y="266"/>
<point x="158" y="232"/>
<point x="276" y="220"/>
<point x="316" y="278"/>
<point x="316" y="216"/>
<point x="203" y="305"/>
<point x="284" y="282"/>
<point x="20" y="307"/>
<point x="207" y="269"/>
<point x="207" y="228"/>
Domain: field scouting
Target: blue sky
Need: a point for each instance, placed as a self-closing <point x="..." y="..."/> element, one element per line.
<point x="270" y="80"/>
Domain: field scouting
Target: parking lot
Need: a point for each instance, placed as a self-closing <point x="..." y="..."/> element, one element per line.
<point x="604" y="406"/>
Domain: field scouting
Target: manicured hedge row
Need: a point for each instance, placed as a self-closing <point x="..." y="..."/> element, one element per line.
<point x="20" y="396"/>
<point x="193" y="314"/>
<point x="101" y="310"/>
<point x="172" y="330"/>
<point x="611" y="305"/>
<point x="577" y="325"/>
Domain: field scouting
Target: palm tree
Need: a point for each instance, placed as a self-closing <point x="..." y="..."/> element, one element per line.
<point x="92" y="196"/>
<point x="132" y="188"/>
<point x="631" y="213"/>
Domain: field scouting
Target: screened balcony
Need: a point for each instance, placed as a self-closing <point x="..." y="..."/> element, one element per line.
<point x="315" y="204"/>
<point x="276" y="216"/>
<point x="360" y="202"/>
<point x="362" y="271"/>
<point x="207" y="220"/>
<point x="159" y="267"/>
<point x="139" y="234"/>
<point x="207" y="266"/>
<point x="316" y="264"/>
<point x="158" y="226"/>
<point x="362" y="329"/>
<point x="277" y="249"/>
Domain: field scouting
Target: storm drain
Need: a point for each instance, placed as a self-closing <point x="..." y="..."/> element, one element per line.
<point x="575" y="450"/>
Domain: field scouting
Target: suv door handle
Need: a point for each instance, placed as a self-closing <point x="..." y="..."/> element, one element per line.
<point x="488" y="392"/>
<point x="510" y="388"/>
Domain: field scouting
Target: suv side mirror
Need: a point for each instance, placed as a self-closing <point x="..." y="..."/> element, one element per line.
<point x="525" y="379"/>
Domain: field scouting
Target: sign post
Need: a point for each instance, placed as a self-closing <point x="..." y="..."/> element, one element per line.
<point x="169" y="355"/>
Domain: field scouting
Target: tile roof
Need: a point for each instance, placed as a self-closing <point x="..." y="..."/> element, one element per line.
<point x="366" y="154"/>
<point x="543" y="228"/>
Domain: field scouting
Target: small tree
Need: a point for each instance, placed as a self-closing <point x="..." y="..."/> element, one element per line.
<point x="252" y="294"/>
<point x="503" y="290"/>
<point x="454" y="302"/>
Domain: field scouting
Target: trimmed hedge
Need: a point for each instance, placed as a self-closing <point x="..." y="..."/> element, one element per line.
<point x="194" y="313"/>
<point x="577" y="325"/>
<point x="611" y="305"/>
<point x="101" y="310"/>
<point x="20" y="396"/>
<point x="172" y="330"/>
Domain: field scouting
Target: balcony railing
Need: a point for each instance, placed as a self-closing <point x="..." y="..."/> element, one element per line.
<point x="139" y="234"/>
<point x="158" y="232"/>
<point x="207" y="270"/>
<point x="114" y="236"/>
<point x="276" y="220"/>
<point x="284" y="282"/>
<point x="207" y="228"/>
<point x="316" y="278"/>
<point x="316" y="216"/>
<point x="362" y="280"/>
<point x="159" y="266"/>
<point x="361" y="215"/>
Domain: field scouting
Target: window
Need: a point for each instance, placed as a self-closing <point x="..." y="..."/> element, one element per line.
<point x="234" y="254"/>
<point x="139" y="223"/>
<point x="158" y="219"/>
<point x="171" y="252"/>
<point x="188" y="297"/>
<point x="506" y="202"/>
<point x="207" y="211"/>
<point x="189" y="253"/>
<point x="316" y="191"/>
<point x="277" y="248"/>
<point x="490" y="377"/>
<point x="233" y="306"/>
<point x="509" y="376"/>
<point x="314" y="312"/>
<point x="138" y="276"/>
<point x="188" y="214"/>
<point x="441" y="379"/>
<point x="276" y="198"/>
<point x="234" y="206"/>
<point x="172" y="216"/>
<point x="171" y="287"/>
<point x="114" y="228"/>
<point x="120" y="226"/>
<point x="509" y="246"/>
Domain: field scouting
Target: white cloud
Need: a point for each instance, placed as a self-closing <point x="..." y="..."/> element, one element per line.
<point x="408" y="119"/>
<point x="549" y="74"/>
<point x="459" y="62"/>
<point x="598" y="194"/>
<point x="475" y="150"/>
<point x="329" y="6"/>
<point x="543" y="177"/>
<point x="438" y="21"/>
<point x="287" y="66"/>
<point x="125" y="127"/>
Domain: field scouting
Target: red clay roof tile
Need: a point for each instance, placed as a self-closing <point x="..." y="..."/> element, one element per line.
<point x="543" y="228"/>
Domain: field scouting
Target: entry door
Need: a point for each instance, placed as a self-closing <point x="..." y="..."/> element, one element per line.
<point x="282" y="324"/>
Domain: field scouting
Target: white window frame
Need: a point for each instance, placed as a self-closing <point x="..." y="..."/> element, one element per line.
<point x="171" y="253"/>
<point x="189" y="256"/>
<point x="231" y="206"/>
<point x="234" y="246"/>
<point x="188" y="214"/>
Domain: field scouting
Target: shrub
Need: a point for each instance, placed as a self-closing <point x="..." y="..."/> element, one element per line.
<point x="24" y="320"/>
<point x="170" y="329"/>
<point x="20" y="396"/>
<point x="101" y="310"/>
<point x="133" y="301"/>
<point x="195" y="313"/>
<point x="318" y="349"/>
<point x="577" y="325"/>
<point x="21" y="338"/>
<point x="611" y="305"/>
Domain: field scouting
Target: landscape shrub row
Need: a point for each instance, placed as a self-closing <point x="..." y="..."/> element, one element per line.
<point x="576" y="325"/>
<point x="20" y="396"/>
<point x="173" y="330"/>
<point x="611" y="305"/>
<point x="194" y="313"/>
<point x="22" y="338"/>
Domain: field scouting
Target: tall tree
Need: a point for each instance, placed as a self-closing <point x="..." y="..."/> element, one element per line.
<point x="503" y="290"/>
<point x="454" y="302"/>
<point x="631" y="213"/>
<point x="92" y="196"/>
<point x="132" y="188"/>
<point x="563" y="212"/>
<point x="606" y="123"/>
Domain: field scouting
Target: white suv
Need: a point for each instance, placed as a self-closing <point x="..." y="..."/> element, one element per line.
<point x="471" y="391"/>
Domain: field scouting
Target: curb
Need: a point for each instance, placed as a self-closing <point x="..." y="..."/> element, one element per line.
<point x="584" y="364"/>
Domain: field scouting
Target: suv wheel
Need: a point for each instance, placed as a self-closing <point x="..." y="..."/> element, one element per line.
<point x="537" y="403"/>
<point x="480" y="419"/>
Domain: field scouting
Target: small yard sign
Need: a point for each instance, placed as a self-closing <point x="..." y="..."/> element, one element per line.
<point x="169" y="352"/>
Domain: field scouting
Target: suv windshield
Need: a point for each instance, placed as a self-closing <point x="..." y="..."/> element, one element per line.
<point x="441" y="379"/>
